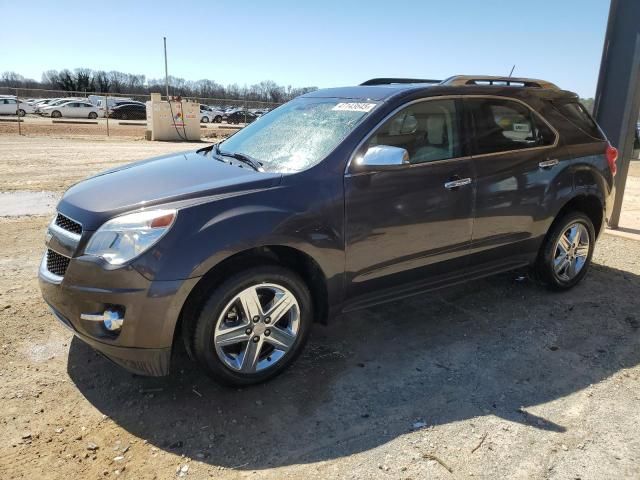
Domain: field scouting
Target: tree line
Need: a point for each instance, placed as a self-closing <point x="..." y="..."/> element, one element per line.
<point x="87" y="80"/>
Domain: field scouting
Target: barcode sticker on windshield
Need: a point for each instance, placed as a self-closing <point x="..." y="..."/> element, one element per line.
<point x="354" y="107"/>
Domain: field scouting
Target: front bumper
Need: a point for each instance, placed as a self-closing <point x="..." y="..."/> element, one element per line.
<point x="152" y="362"/>
<point x="151" y="310"/>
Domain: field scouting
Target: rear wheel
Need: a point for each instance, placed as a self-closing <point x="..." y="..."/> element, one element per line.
<point x="93" y="115"/>
<point x="566" y="254"/>
<point x="21" y="112"/>
<point x="218" y="119"/>
<point x="124" y="116"/>
<point x="56" y="114"/>
<point x="253" y="326"/>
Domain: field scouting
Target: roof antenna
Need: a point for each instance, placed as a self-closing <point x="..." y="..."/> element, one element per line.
<point x="512" y="69"/>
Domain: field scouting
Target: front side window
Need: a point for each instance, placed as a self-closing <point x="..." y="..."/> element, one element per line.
<point x="505" y="125"/>
<point x="427" y="130"/>
<point x="298" y="134"/>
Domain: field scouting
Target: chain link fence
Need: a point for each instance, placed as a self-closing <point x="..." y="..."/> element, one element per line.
<point x="28" y="111"/>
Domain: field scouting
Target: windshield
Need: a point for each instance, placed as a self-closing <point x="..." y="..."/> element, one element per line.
<point x="299" y="134"/>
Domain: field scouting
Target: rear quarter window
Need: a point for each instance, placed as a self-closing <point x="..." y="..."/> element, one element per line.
<point x="575" y="113"/>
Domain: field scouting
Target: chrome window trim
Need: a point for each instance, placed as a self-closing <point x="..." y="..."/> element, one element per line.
<point x="347" y="173"/>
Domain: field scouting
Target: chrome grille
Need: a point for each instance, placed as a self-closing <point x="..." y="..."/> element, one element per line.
<point x="56" y="263"/>
<point x="67" y="224"/>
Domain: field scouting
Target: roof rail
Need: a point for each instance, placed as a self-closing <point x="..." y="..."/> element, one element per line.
<point x="390" y="81"/>
<point x="460" y="80"/>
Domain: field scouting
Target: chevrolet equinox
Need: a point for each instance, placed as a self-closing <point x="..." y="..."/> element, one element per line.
<point x="338" y="200"/>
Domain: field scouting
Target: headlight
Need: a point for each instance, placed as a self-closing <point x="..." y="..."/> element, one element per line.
<point x="124" y="238"/>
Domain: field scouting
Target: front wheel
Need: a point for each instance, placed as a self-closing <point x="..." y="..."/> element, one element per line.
<point x="21" y="113"/>
<point x="566" y="253"/>
<point x="218" y="119"/>
<point x="93" y="115"/>
<point x="56" y="114"/>
<point x="253" y="326"/>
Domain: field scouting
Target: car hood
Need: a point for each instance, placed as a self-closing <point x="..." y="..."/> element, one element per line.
<point x="170" y="178"/>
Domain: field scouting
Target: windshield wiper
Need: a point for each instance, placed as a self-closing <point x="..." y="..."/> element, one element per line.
<point x="246" y="159"/>
<point x="241" y="157"/>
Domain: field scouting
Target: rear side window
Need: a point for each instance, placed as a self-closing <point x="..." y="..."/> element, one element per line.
<point x="578" y="116"/>
<point x="505" y="125"/>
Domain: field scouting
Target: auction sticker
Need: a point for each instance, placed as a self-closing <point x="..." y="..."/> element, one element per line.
<point x="354" y="107"/>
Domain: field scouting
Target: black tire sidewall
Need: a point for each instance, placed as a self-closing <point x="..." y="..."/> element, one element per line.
<point x="203" y="346"/>
<point x="544" y="267"/>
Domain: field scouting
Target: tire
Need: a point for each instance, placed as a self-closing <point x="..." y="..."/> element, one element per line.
<point x="551" y="259"/>
<point x="56" y="114"/>
<point x="21" y="112"/>
<point x="204" y="120"/>
<point x="225" y="363"/>
<point x="218" y="119"/>
<point x="124" y="116"/>
<point x="93" y="115"/>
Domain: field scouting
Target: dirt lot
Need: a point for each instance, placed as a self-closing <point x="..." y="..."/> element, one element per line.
<point x="495" y="379"/>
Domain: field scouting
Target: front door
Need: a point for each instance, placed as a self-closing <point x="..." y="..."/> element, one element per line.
<point x="415" y="222"/>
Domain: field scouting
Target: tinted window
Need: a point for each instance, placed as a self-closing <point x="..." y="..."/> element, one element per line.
<point x="427" y="130"/>
<point x="503" y="125"/>
<point x="578" y="115"/>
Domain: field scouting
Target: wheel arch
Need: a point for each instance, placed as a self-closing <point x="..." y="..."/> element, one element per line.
<point x="296" y="260"/>
<point x="587" y="203"/>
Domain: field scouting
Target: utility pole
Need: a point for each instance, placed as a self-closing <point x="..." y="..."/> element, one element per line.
<point x="618" y="94"/>
<point x="166" y="70"/>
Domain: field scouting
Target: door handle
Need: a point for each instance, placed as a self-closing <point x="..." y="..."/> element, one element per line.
<point x="548" y="163"/>
<point x="452" y="184"/>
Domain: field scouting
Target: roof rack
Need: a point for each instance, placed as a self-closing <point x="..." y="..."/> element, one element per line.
<point x="391" y="81"/>
<point x="460" y="80"/>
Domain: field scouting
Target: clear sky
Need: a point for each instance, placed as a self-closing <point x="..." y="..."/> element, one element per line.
<point x="309" y="43"/>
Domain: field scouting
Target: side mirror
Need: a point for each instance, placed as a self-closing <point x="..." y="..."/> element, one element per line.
<point x="382" y="157"/>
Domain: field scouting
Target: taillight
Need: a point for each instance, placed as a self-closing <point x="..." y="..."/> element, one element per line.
<point x="612" y="156"/>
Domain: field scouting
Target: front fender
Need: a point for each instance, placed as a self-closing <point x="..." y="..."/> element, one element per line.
<point x="205" y="235"/>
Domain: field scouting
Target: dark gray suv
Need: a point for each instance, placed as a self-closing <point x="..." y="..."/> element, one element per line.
<point x="340" y="199"/>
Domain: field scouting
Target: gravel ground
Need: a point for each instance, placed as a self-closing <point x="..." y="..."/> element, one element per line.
<point x="498" y="378"/>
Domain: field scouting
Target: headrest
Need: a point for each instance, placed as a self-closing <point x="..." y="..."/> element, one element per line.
<point x="436" y="129"/>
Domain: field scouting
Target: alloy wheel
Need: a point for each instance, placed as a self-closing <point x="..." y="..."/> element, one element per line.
<point x="571" y="252"/>
<point x="257" y="328"/>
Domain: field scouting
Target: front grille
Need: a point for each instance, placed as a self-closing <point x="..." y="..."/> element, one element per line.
<point x="56" y="263"/>
<point x="67" y="224"/>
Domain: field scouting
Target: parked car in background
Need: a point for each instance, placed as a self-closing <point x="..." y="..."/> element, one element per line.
<point x="112" y="105"/>
<point x="241" y="116"/>
<point x="71" y="109"/>
<point x="11" y="106"/>
<point x="129" y="111"/>
<point x="209" y="114"/>
<point x="54" y="101"/>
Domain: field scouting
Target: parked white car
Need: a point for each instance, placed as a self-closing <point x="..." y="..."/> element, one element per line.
<point x="210" y="115"/>
<point x="71" y="109"/>
<point x="10" y="106"/>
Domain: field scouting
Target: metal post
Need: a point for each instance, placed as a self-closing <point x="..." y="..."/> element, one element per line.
<point x="106" y="110"/>
<point x="18" y="111"/>
<point x="617" y="102"/>
<point x="166" y="69"/>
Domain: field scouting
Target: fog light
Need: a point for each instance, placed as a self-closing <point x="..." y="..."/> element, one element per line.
<point x="111" y="319"/>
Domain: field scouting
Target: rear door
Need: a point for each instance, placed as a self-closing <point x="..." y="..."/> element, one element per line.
<point x="410" y="224"/>
<point x="5" y="107"/>
<point x="513" y="156"/>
